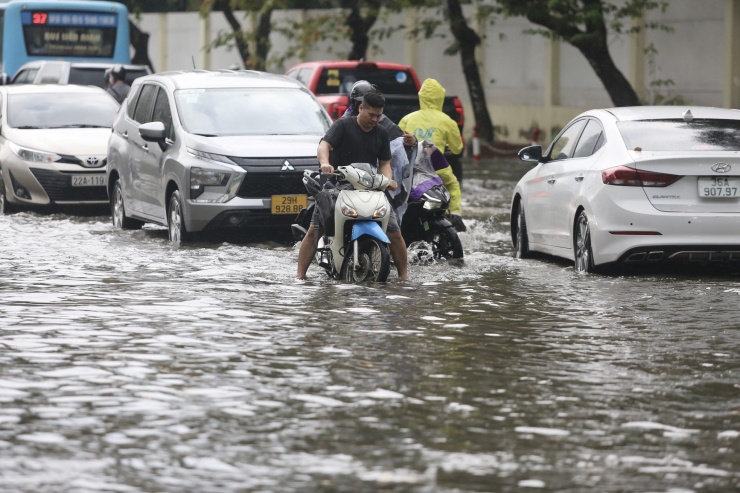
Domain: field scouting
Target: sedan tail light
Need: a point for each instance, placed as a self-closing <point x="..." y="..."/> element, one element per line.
<point x="630" y="177"/>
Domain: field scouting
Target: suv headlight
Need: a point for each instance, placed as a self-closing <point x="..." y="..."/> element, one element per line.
<point x="209" y="156"/>
<point x="33" y="155"/>
<point x="200" y="178"/>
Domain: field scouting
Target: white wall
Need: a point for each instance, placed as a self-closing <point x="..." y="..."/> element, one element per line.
<point x="513" y="64"/>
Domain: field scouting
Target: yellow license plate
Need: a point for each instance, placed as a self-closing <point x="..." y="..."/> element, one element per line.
<point x="288" y="204"/>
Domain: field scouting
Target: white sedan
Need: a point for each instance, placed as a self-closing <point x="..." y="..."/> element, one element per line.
<point x="633" y="185"/>
<point x="53" y="145"/>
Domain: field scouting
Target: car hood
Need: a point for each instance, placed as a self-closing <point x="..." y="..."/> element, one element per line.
<point x="258" y="145"/>
<point x="69" y="141"/>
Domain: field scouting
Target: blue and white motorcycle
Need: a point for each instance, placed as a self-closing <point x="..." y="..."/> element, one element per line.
<point x="355" y="214"/>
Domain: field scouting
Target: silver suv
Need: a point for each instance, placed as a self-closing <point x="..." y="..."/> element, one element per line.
<point x="201" y="151"/>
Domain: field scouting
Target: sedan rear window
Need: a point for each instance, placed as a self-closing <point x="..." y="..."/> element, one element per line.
<point x="679" y="135"/>
<point x="250" y="111"/>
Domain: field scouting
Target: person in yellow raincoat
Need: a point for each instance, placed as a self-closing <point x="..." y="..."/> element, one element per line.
<point x="432" y="124"/>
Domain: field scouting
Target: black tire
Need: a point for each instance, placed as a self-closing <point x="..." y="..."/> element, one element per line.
<point x="375" y="261"/>
<point x="519" y="232"/>
<point x="446" y="244"/>
<point x="582" y="250"/>
<point x="118" y="211"/>
<point x="5" y="206"/>
<point x="176" y="231"/>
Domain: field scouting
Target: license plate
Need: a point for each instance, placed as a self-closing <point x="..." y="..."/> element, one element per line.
<point x="88" y="180"/>
<point x="288" y="204"/>
<point x="719" y="186"/>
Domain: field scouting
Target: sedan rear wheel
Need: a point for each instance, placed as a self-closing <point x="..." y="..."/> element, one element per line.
<point x="175" y="219"/>
<point x="584" y="258"/>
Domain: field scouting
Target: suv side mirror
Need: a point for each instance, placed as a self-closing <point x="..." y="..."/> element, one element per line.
<point x="154" y="132"/>
<point x="4" y="79"/>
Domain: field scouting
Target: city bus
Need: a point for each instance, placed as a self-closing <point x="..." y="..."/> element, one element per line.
<point x="75" y="30"/>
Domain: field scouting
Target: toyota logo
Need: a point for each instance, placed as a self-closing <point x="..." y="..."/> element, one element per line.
<point x="92" y="162"/>
<point x="721" y="167"/>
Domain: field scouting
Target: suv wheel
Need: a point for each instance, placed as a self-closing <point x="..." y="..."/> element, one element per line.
<point x="118" y="211"/>
<point x="175" y="220"/>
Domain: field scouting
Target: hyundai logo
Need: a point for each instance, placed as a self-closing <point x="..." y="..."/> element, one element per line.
<point x="287" y="166"/>
<point x="721" y="167"/>
<point x="92" y="162"/>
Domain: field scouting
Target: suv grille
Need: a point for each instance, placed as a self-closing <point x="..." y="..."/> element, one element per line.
<point x="274" y="176"/>
<point x="58" y="187"/>
<point x="265" y="184"/>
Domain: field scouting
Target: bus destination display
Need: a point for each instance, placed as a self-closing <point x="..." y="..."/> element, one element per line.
<point x="69" y="34"/>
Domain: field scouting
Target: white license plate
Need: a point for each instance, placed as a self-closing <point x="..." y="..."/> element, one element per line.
<point x="88" y="180"/>
<point x="719" y="186"/>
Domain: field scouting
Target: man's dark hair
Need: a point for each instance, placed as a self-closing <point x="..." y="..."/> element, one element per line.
<point x="374" y="99"/>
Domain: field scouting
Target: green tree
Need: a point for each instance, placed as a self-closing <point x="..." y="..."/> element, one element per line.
<point x="585" y="24"/>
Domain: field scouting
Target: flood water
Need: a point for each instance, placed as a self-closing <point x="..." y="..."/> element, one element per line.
<point x="129" y="365"/>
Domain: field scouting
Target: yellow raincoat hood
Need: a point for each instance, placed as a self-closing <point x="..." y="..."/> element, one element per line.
<point x="431" y="95"/>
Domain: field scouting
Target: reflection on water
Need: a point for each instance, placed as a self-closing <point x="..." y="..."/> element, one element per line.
<point x="129" y="365"/>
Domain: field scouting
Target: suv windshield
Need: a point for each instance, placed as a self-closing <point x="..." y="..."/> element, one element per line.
<point x="59" y="110"/>
<point x="679" y="135"/>
<point x="250" y="111"/>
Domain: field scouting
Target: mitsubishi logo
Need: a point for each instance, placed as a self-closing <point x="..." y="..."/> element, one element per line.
<point x="287" y="166"/>
<point x="721" y="167"/>
<point x="92" y="162"/>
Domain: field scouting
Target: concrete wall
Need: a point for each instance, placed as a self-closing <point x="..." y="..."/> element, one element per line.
<point x="529" y="80"/>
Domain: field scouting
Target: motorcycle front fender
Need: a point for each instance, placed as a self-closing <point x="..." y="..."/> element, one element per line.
<point x="370" y="228"/>
<point x="440" y="222"/>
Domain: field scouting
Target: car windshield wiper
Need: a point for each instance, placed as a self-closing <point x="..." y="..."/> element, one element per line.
<point x="29" y="127"/>
<point x="206" y="135"/>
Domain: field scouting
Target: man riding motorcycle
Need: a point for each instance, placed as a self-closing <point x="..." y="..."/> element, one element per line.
<point x="401" y="168"/>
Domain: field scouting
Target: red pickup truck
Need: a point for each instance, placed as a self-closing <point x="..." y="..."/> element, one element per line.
<point x="331" y="81"/>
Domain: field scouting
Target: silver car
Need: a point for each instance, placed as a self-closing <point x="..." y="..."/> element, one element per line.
<point x="201" y="151"/>
<point x="53" y="145"/>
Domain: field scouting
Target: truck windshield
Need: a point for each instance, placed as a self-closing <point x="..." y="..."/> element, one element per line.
<point x="340" y="80"/>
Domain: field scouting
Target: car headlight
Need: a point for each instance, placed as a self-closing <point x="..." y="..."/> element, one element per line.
<point x="200" y="178"/>
<point x="209" y="156"/>
<point x="33" y="155"/>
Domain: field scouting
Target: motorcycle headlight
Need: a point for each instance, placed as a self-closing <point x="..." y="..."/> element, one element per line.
<point x="33" y="155"/>
<point x="348" y="211"/>
<point x="380" y="212"/>
<point x="365" y="179"/>
<point x="431" y="204"/>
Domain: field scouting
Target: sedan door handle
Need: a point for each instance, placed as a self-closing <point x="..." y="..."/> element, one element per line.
<point x="125" y="134"/>
<point x="145" y="147"/>
<point x="551" y="181"/>
<point x="579" y="178"/>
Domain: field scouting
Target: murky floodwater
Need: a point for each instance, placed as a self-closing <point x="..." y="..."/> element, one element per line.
<point x="129" y="365"/>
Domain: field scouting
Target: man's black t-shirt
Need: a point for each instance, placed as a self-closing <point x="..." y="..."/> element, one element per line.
<point x="350" y="144"/>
